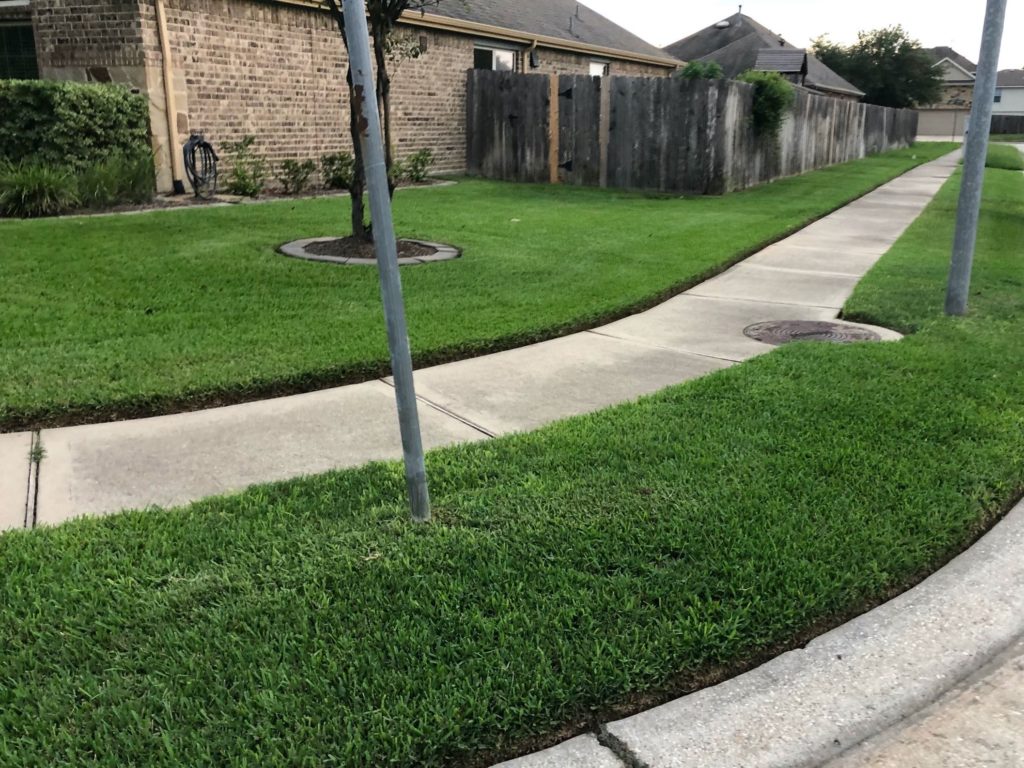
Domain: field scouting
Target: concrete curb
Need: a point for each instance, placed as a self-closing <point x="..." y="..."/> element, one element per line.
<point x="851" y="684"/>
<point x="299" y="249"/>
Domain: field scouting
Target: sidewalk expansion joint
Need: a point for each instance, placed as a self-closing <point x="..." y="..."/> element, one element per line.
<point x="648" y="345"/>
<point x="35" y="459"/>
<point x="619" y="748"/>
<point x="759" y="301"/>
<point x="450" y="414"/>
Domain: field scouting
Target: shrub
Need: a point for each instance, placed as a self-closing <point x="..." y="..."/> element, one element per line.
<point x="773" y="97"/>
<point x="398" y="171"/>
<point x="70" y="124"/>
<point x="701" y="70"/>
<point x="294" y="175"/>
<point x="416" y="166"/>
<point x="118" y="179"/>
<point x="31" y="189"/>
<point x="1004" y="157"/>
<point x="248" y="170"/>
<point x="337" y="170"/>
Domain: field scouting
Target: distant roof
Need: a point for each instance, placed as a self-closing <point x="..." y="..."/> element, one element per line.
<point x="945" y="52"/>
<point x="788" y="61"/>
<point x="1010" y="78"/>
<point x="735" y="44"/>
<point x="562" y="19"/>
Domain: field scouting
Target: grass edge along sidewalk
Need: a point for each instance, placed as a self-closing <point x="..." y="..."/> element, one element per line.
<point x="131" y="316"/>
<point x="591" y="567"/>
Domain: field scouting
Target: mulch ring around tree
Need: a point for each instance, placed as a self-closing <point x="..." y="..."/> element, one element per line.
<point x="358" y="252"/>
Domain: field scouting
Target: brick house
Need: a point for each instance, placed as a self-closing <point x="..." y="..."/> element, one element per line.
<point x="275" y="68"/>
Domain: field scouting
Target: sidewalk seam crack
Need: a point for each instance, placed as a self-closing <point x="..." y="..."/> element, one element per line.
<point x="450" y="414"/>
<point x="35" y="459"/>
<point x="619" y="748"/>
<point x="760" y="301"/>
<point x="461" y="419"/>
<point x="598" y="332"/>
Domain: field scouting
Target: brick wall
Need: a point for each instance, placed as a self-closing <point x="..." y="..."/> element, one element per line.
<point x="273" y="70"/>
<point x="93" y="34"/>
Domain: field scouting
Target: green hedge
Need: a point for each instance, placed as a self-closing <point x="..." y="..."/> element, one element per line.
<point x="70" y="124"/>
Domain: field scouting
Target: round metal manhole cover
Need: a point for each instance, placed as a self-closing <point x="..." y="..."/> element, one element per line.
<point x="780" y="332"/>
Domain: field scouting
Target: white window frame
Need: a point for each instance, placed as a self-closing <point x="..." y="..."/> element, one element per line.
<point x="604" y="67"/>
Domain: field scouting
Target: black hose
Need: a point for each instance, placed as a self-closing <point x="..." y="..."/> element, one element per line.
<point x="201" y="166"/>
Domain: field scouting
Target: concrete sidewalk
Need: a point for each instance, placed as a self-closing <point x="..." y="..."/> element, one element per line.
<point x="172" y="460"/>
<point x="977" y="724"/>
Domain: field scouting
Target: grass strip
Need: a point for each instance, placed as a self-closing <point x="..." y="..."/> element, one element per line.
<point x="1004" y="157"/>
<point x="590" y="567"/>
<point x="116" y="317"/>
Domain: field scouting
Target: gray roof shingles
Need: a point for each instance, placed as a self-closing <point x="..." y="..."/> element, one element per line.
<point x="945" y="52"/>
<point x="549" y="18"/>
<point x="1010" y="78"/>
<point x="788" y="61"/>
<point x="736" y="47"/>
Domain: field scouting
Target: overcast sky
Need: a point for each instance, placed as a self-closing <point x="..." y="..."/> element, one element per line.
<point x="956" y="24"/>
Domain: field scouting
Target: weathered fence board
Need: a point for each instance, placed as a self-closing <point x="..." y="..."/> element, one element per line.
<point x="507" y="125"/>
<point x="579" y="130"/>
<point x="668" y="134"/>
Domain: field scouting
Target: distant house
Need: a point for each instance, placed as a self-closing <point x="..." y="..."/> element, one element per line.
<point x="948" y="116"/>
<point x="276" y="68"/>
<point x="1009" y="93"/>
<point x="739" y="43"/>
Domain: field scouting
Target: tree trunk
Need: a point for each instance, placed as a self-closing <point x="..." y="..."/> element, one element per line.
<point x="380" y="37"/>
<point x="360" y="228"/>
<point x="356" y="191"/>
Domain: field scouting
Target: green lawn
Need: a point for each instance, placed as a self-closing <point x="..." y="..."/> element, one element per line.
<point x="1004" y="157"/>
<point x="1014" y="138"/>
<point x="119" y="316"/>
<point x="582" y="570"/>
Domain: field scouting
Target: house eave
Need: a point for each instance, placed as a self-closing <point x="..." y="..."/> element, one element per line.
<point x="445" y="24"/>
<point x="971" y="77"/>
<point x="811" y="85"/>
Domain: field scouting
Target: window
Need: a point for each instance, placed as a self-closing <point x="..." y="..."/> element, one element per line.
<point x="498" y="59"/>
<point x="600" y="68"/>
<point x="999" y="95"/>
<point x="17" y="52"/>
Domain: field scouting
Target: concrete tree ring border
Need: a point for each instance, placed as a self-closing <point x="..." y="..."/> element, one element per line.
<point x="297" y="250"/>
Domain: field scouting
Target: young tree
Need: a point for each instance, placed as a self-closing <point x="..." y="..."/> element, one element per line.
<point x="382" y="17"/>
<point x="887" y="64"/>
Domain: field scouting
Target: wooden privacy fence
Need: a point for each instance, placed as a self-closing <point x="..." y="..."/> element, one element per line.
<point x="1007" y="123"/>
<point x="669" y="134"/>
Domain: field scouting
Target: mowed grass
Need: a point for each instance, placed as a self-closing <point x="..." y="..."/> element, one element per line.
<point x="1014" y="138"/>
<point x="131" y="315"/>
<point x="1007" y="158"/>
<point x="570" y="573"/>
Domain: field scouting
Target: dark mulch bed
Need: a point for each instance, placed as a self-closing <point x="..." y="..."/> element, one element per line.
<point x="357" y="248"/>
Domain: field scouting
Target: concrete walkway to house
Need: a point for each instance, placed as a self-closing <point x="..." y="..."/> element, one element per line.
<point x="171" y="460"/>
